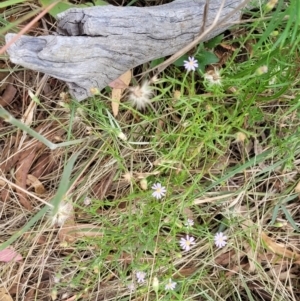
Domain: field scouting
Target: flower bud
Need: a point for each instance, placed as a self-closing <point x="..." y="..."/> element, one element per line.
<point x="144" y="184"/>
<point x="122" y="136"/>
<point x="155" y="284"/>
<point x="270" y="5"/>
<point x="95" y="91"/>
<point x="240" y="137"/>
<point x="262" y="70"/>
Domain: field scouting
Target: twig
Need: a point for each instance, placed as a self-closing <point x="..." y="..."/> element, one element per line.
<point x="9" y="118"/>
<point x="205" y="13"/>
<point x="161" y="67"/>
<point x="27" y="27"/>
<point x="25" y="191"/>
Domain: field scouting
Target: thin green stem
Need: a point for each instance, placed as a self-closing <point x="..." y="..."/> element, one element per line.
<point x="8" y="118"/>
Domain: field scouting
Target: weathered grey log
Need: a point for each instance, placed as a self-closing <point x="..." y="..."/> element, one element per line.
<point x="94" y="46"/>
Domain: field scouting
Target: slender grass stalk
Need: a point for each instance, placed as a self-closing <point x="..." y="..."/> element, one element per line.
<point x="54" y="203"/>
<point x="8" y="118"/>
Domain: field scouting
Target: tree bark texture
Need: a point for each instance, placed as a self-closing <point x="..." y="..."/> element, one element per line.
<point x="95" y="45"/>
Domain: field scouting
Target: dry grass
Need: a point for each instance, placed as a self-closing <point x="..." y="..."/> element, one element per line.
<point x="228" y="156"/>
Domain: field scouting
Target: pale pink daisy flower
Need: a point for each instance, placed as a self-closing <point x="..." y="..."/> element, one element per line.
<point x="170" y="286"/>
<point x="140" y="277"/>
<point x="159" y="191"/>
<point x="220" y="240"/>
<point x="191" y="64"/>
<point x="187" y="242"/>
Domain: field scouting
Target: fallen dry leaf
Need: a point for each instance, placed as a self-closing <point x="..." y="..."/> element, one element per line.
<point x="22" y="170"/>
<point x="118" y="89"/>
<point x="100" y="188"/>
<point x="142" y="175"/>
<point x="225" y="258"/>
<point x="5" y="78"/>
<point x="115" y="100"/>
<point x="36" y="288"/>
<point x="28" y="115"/>
<point x="277" y="248"/>
<point x="67" y="232"/>
<point x="45" y="164"/>
<point x="71" y="231"/>
<point x="35" y="182"/>
<point x="4" y="194"/>
<point x="228" y="47"/>
<point x="72" y="298"/>
<point x="185" y="272"/>
<point x="8" y="155"/>
<point x="118" y="84"/>
<point x="236" y="269"/>
<point x="297" y="188"/>
<point x="189" y="213"/>
<point x="38" y="239"/>
<point x="8" y="95"/>
<point x="9" y="254"/>
<point x="4" y="296"/>
<point x="273" y="246"/>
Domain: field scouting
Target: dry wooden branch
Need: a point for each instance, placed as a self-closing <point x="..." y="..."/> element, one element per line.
<point x="94" y="46"/>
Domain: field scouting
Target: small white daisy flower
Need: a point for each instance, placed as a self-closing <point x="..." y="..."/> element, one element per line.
<point x="213" y="77"/>
<point x="191" y="64"/>
<point x="140" y="277"/>
<point x="187" y="242"/>
<point x="139" y="96"/>
<point x="189" y="223"/>
<point x="131" y="287"/>
<point x="220" y="240"/>
<point x="65" y="211"/>
<point x="170" y="286"/>
<point x="159" y="191"/>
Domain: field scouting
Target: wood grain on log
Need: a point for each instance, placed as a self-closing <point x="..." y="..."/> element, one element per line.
<point x="94" y="46"/>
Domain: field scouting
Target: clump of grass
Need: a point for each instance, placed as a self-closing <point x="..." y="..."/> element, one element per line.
<point x="197" y="203"/>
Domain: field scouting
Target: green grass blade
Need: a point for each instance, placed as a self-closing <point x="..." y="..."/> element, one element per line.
<point x="10" y="3"/>
<point x="59" y="196"/>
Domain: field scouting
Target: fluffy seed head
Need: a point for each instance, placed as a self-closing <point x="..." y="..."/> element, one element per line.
<point x="65" y="211"/>
<point x="213" y="77"/>
<point x="139" y="96"/>
<point x="262" y="70"/>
